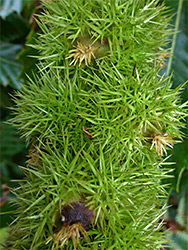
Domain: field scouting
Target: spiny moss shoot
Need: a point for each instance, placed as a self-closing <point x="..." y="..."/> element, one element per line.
<point x="97" y="118"/>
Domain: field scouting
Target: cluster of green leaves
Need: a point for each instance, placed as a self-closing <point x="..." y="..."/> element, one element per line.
<point x="179" y="69"/>
<point x="11" y="146"/>
<point x="14" y="19"/>
<point x="7" y="7"/>
<point x="14" y="30"/>
<point x="12" y="154"/>
<point x="113" y="171"/>
<point x="178" y="209"/>
<point x="176" y="217"/>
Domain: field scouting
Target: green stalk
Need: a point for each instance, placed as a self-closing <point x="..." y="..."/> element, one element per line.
<point x="175" y="36"/>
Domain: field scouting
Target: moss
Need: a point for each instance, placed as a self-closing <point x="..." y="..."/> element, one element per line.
<point x="93" y="125"/>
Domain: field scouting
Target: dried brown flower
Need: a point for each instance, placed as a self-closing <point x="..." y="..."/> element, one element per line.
<point x="67" y="232"/>
<point x="161" y="57"/>
<point x="81" y="53"/>
<point x="161" y="142"/>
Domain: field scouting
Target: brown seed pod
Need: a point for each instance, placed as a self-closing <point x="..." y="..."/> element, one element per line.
<point x="77" y="212"/>
<point x="76" y="219"/>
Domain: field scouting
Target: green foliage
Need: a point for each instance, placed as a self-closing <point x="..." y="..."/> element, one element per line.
<point x="177" y="216"/>
<point x="122" y="101"/>
<point x="180" y="64"/>
<point x="7" y="7"/>
<point x="27" y="57"/>
<point x="12" y="154"/>
<point x="14" y="29"/>
<point x="178" y="209"/>
<point x="10" y="68"/>
<point x="11" y="149"/>
<point x="179" y="67"/>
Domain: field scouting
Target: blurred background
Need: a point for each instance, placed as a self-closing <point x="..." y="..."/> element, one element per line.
<point x="18" y="28"/>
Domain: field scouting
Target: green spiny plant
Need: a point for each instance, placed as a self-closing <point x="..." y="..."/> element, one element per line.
<point x="97" y="117"/>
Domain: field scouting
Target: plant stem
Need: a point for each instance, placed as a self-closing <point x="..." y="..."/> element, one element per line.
<point x="175" y="36"/>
